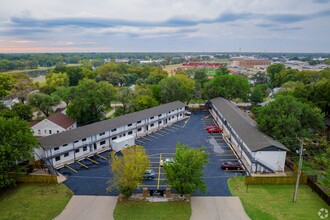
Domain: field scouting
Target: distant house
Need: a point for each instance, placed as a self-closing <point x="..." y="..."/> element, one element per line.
<point x="9" y="103"/>
<point x="54" y="124"/>
<point x="257" y="151"/>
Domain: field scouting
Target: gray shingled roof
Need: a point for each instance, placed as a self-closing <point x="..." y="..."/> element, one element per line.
<point x="79" y="133"/>
<point x="245" y="127"/>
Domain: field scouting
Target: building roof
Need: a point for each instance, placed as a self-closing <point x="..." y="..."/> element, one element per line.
<point x="61" y="120"/>
<point x="245" y="127"/>
<point x="79" y="133"/>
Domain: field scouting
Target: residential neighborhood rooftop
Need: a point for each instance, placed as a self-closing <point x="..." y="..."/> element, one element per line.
<point x="61" y="119"/>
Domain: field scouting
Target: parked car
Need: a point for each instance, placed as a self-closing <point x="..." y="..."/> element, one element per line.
<point x="166" y="161"/>
<point x="149" y="175"/>
<point x="230" y="165"/>
<point x="210" y="126"/>
<point x="188" y="113"/>
<point x="214" y="130"/>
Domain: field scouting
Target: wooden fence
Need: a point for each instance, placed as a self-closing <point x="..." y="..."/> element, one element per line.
<point x="23" y="178"/>
<point x="277" y="180"/>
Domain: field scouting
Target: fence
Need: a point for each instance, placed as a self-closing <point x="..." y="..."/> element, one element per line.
<point x="311" y="182"/>
<point x="277" y="180"/>
<point x="22" y="178"/>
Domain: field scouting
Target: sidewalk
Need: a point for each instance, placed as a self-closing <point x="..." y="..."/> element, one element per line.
<point x="217" y="208"/>
<point x="89" y="207"/>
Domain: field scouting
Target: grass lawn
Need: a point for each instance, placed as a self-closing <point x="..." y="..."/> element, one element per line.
<point x="169" y="68"/>
<point x="34" y="201"/>
<point x="275" y="201"/>
<point x="152" y="210"/>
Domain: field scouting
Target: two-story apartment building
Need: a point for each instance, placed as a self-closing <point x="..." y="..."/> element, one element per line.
<point x="68" y="146"/>
<point x="257" y="151"/>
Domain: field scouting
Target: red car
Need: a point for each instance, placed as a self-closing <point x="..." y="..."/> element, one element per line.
<point x="210" y="126"/>
<point x="214" y="130"/>
<point x="231" y="165"/>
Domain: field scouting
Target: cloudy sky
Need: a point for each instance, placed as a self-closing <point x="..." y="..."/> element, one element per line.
<point x="164" y="25"/>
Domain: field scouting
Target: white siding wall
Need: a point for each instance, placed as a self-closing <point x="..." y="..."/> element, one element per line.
<point x="106" y="138"/>
<point x="45" y="128"/>
<point x="274" y="159"/>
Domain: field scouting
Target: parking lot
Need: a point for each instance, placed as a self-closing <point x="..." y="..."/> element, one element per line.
<point x="160" y="145"/>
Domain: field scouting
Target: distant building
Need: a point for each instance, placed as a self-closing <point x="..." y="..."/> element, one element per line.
<point x="250" y="63"/>
<point x="54" y="124"/>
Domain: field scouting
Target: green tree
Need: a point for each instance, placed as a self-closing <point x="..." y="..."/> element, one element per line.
<point x="274" y="69"/>
<point x="16" y="144"/>
<point x="65" y="94"/>
<point x="6" y="83"/>
<point x="22" y="87"/>
<point x="90" y="101"/>
<point x="222" y="70"/>
<point x="142" y="102"/>
<point x="185" y="174"/>
<point x="23" y="111"/>
<point x="125" y="97"/>
<point x="287" y="118"/>
<point x="257" y="95"/>
<point x="200" y="77"/>
<point x="227" y="86"/>
<point x="128" y="169"/>
<point x="174" y="88"/>
<point x="43" y="102"/>
<point x="55" y="80"/>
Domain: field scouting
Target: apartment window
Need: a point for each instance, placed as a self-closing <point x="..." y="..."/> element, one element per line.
<point x="102" y="143"/>
<point x="84" y="148"/>
<point x="64" y="145"/>
<point x="130" y="132"/>
<point x="152" y="118"/>
<point x="139" y="122"/>
<point x="169" y="112"/>
<point x="66" y="154"/>
<point x="45" y="131"/>
<point x="56" y="148"/>
<point x="114" y="138"/>
<point x="84" y="139"/>
<point x="58" y="131"/>
<point x="129" y="125"/>
<point x="77" y="150"/>
<point x="180" y="114"/>
<point x="39" y="132"/>
<point x="139" y="129"/>
<point x="102" y="133"/>
<point x="160" y="115"/>
<point x="50" y="131"/>
<point x="75" y="141"/>
<point x="159" y="122"/>
<point x="172" y="117"/>
<point x="152" y="125"/>
<point x="124" y="135"/>
<point x="57" y="158"/>
<point x="114" y="130"/>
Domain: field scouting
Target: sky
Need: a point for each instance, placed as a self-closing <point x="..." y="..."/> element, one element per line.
<point x="164" y="26"/>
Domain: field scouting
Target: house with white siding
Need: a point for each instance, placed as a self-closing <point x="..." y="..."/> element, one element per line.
<point x="68" y="146"/>
<point x="54" y="124"/>
<point x="257" y="151"/>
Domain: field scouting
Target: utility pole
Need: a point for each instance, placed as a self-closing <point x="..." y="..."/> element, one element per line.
<point x="299" y="170"/>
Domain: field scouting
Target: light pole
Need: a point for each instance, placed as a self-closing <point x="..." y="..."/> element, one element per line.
<point x="299" y="170"/>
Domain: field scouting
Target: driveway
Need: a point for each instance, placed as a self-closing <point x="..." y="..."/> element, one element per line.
<point x="89" y="207"/>
<point x="217" y="208"/>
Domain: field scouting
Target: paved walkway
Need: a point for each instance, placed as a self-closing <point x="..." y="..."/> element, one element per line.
<point x="101" y="207"/>
<point x="89" y="207"/>
<point x="217" y="208"/>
